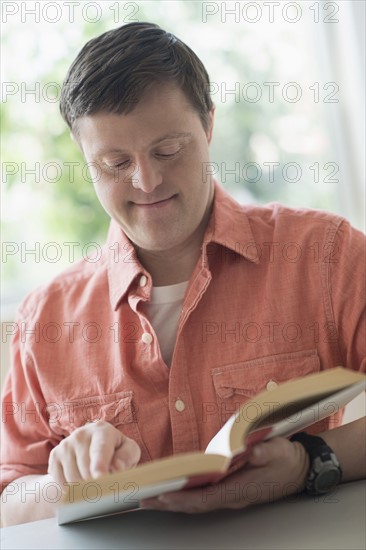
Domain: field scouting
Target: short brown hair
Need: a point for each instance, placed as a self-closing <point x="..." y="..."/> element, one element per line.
<point x="113" y="70"/>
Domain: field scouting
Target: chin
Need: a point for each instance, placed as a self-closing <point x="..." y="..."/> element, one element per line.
<point x="157" y="246"/>
<point x="158" y="242"/>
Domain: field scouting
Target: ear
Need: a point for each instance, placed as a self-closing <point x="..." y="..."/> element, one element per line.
<point x="75" y="138"/>
<point x="211" y="123"/>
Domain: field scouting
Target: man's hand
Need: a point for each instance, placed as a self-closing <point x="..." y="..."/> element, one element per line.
<point x="90" y="451"/>
<point x="276" y="469"/>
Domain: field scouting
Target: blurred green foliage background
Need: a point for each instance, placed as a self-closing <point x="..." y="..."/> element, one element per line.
<point x="52" y="206"/>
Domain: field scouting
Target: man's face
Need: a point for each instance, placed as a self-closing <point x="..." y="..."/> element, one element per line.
<point x="151" y="166"/>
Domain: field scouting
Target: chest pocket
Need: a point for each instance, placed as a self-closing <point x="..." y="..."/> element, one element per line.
<point x="118" y="409"/>
<point x="237" y="383"/>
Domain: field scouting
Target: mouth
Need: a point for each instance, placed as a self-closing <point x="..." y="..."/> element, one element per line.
<point x="156" y="204"/>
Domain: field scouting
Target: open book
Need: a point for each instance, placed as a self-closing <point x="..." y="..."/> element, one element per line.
<point x="289" y="408"/>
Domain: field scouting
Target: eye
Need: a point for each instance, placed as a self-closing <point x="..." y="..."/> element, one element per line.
<point x="123" y="164"/>
<point x="168" y="153"/>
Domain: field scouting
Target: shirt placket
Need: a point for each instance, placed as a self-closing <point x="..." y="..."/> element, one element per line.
<point x="184" y="424"/>
<point x="149" y="343"/>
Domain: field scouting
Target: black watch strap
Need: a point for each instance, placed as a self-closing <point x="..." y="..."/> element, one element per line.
<point x="312" y="443"/>
<point x="325" y="471"/>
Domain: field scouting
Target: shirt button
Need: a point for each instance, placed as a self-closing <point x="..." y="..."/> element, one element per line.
<point x="143" y="280"/>
<point x="146" y="338"/>
<point x="271" y="385"/>
<point x="179" y="405"/>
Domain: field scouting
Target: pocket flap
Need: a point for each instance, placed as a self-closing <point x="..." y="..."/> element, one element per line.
<point x="251" y="377"/>
<point x="116" y="408"/>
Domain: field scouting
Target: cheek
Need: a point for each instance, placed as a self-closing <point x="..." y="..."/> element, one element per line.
<point x="199" y="164"/>
<point x="100" y="191"/>
<point x="188" y="175"/>
<point x="106" y="194"/>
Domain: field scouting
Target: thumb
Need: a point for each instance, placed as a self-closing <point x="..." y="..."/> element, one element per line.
<point x="259" y="455"/>
<point x="127" y="455"/>
<point x="268" y="451"/>
<point x="265" y="452"/>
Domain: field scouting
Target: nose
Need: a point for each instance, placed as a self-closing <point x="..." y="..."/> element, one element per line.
<point x="146" y="176"/>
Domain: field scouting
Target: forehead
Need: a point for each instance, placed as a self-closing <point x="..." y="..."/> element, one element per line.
<point x="163" y="110"/>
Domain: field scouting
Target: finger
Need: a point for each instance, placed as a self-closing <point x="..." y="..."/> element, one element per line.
<point x="83" y="461"/>
<point x="117" y="465"/>
<point x="101" y="450"/>
<point x="70" y="467"/>
<point x="168" y="505"/>
<point x="127" y="455"/>
<point x="258" y="456"/>
<point x="55" y="470"/>
<point x="192" y="501"/>
<point x="268" y="451"/>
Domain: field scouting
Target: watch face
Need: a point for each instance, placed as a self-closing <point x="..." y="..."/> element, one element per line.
<point x="327" y="480"/>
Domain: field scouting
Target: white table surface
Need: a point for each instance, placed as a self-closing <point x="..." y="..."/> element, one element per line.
<point x="335" y="521"/>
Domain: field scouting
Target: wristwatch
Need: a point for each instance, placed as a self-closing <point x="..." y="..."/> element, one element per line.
<point x="325" y="472"/>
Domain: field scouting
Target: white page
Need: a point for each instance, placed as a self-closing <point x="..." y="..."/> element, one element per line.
<point x="220" y="443"/>
<point x="115" y="502"/>
<point x="318" y="411"/>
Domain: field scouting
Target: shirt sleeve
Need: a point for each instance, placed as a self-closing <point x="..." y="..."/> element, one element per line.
<point x="347" y="261"/>
<point x="26" y="437"/>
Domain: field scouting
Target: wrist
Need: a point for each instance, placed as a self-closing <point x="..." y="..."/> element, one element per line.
<point x="325" y="471"/>
<point x="303" y="461"/>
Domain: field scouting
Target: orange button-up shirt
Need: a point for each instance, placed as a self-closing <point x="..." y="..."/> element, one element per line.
<point x="276" y="293"/>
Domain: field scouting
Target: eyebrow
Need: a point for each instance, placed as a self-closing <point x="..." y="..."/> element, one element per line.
<point x="171" y="135"/>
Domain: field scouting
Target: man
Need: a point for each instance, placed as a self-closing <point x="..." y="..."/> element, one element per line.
<point x="196" y="304"/>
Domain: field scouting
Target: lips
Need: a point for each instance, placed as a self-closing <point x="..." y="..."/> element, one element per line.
<point x="160" y="202"/>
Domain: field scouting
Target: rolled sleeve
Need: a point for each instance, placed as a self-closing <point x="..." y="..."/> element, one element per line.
<point x="25" y="432"/>
<point x="347" y="287"/>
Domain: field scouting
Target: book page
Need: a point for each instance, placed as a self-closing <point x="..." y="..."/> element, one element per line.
<point x="289" y="399"/>
<point x="220" y="443"/>
<point x="284" y="420"/>
<point x="94" y="506"/>
<point x="315" y="412"/>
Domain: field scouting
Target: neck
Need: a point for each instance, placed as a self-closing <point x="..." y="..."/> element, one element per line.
<point x="172" y="267"/>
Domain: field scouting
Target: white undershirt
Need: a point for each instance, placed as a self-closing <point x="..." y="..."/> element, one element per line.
<point x="163" y="312"/>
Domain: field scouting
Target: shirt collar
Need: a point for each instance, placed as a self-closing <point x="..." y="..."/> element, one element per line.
<point x="123" y="263"/>
<point x="228" y="226"/>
